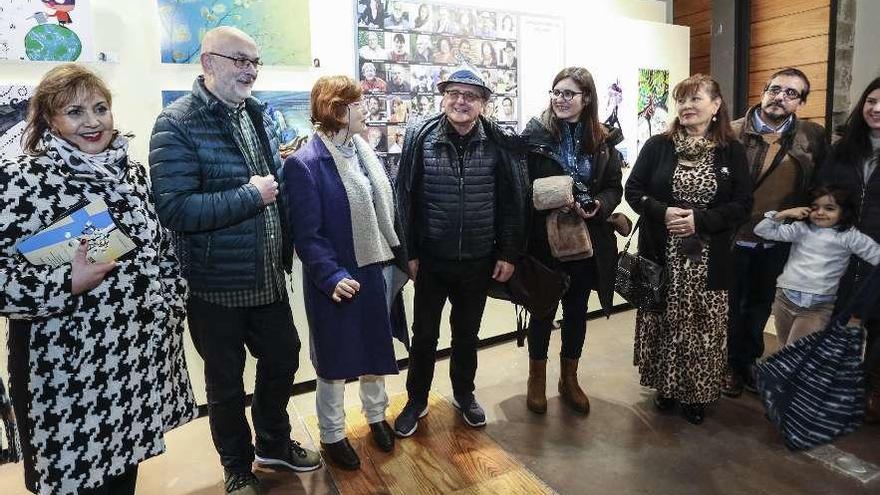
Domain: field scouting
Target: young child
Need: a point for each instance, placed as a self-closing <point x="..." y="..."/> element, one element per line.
<point x="821" y="246"/>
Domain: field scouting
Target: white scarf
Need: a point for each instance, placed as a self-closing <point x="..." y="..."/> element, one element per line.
<point x="372" y="223"/>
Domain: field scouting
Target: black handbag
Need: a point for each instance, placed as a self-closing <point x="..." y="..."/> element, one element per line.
<point x="640" y="281"/>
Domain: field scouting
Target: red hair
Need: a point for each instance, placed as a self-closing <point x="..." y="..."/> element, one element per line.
<point x="330" y="97"/>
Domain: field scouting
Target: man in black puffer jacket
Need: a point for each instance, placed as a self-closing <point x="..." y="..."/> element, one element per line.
<point x="461" y="191"/>
<point x="213" y="160"/>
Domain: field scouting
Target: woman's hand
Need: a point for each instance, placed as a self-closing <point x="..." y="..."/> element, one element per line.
<point x="85" y="276"/>
<point x="799" y="213"/>
<point x="583" y="213"/>
<point x="347" y="288"/>
<point x="682" y="226"/>
<point x="673" y="213"/>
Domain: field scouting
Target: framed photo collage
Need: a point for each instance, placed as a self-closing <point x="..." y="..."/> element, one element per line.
<point x="405" y="48"/>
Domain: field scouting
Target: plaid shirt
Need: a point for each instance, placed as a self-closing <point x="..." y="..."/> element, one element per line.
<point x="274" y="285"/>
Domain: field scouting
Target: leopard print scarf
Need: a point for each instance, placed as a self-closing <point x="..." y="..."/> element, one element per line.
<point x="692" y="150"/>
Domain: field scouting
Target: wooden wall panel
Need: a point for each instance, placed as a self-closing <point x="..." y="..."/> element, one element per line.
<point x="762" y="10"/>
<point x="792" y="27"/>
<point x="789" y="54"/>
<point x="697" y="15"/>
<point x="794" y="33"/>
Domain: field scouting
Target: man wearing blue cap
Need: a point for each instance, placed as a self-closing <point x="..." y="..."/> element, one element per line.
<point x="461" y="189"/>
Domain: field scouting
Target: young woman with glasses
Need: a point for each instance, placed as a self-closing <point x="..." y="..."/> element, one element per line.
<point x="567" y="139"/>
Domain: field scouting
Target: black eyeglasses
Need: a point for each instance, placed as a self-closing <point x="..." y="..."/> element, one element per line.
<point x="565" y="94"/>
<point x="240" y="62"/>
<point x="467" y="95"/>
<point x="787" y="93"/>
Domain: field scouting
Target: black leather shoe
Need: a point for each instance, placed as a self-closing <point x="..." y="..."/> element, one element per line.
<point x="693" y="413"/>
<point x="664" y="404"/>
<point x="342" y="454"/>
<point x="383" y="435"/>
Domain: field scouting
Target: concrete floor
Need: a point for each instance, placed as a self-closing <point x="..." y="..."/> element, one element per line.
<point x="622" y="447"/>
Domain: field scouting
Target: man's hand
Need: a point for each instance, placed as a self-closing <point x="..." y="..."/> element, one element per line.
<point x="85" y="276"/>
<point x="267" y="186"/>
<point x="413" y="269"/>
<point x="503" y="271"/>
<point x="346" y="288"/>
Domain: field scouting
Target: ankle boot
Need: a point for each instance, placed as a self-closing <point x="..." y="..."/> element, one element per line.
<point x="569" y="389"/>
<point x="536" y="389"/>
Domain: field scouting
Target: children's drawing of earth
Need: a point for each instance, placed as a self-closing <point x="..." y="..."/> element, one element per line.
<point x="51" y="42"/>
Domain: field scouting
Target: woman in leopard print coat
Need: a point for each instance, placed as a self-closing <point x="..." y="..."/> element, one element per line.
<point x="96" y="362"/>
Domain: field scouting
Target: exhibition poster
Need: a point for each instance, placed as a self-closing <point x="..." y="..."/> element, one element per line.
<point x="46" y="30"/>
<point x="653" y="104"/>
<point x="289" y="110"/>
<point x="280" y="27"/>
<point x="13" y="111"/>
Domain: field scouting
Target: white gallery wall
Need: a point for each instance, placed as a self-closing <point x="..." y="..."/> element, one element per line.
<point x="608" y="37"/>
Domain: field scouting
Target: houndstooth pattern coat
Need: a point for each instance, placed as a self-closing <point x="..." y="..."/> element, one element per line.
<point x="107" y="376"/>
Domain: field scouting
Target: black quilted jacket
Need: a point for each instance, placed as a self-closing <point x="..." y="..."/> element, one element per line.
<point x="200" y="183"/>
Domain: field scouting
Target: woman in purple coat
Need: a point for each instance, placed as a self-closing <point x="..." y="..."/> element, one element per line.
<point x="341" y="210"/>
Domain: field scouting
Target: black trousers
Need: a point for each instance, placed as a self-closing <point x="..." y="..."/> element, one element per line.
<point x="582" y="274"/>
<point x="465" y="284"/>
<point x="220" y="335"/>
<point x="751" y="298"/>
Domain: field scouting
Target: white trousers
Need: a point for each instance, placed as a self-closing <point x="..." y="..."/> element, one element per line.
<point x="329" y="402"/>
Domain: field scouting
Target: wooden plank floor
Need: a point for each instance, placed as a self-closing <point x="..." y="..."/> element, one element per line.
<point x="444" y="457"/>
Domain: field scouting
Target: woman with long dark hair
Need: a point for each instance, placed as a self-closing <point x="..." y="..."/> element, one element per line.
<point x="567" y="139"/>
<point x="692" y="189"/>
<point x="853" y="164"/>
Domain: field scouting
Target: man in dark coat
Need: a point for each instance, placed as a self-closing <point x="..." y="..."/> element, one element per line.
<point x="784" y="154"/>
<point x="213" y="158"/>
<point x="461" y="194"/>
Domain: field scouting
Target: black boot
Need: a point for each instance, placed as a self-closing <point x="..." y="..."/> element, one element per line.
<point x="693" y="413"/>
<point x="663" y="403"/>
<point x="342" y="454"/>
<point x="383" y="435"/>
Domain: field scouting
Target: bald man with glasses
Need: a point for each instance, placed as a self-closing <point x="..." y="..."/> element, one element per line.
<point x="784" y="153"/>
<point x="213" y="162"/>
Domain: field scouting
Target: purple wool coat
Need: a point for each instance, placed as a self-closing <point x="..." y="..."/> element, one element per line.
<point x="350" y="338"/>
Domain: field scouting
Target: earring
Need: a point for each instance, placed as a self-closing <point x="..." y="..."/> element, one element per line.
<point x="714" y="118"/>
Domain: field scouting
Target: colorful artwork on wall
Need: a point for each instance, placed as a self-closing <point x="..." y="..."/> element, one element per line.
<point x="13" y="110"/>
<point x="289" y="109"/>
<point x="653" y="104"/>
<point x="405" y="48"/>
<point x="46" y="30"/>
<point x="280" y="28"/>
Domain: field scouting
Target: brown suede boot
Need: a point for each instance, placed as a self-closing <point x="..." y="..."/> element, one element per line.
<point x="536" y="390"/>
<point x="571" y="392"/>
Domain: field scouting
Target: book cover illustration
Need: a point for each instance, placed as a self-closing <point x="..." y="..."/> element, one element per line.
<point x="56" y="244"/>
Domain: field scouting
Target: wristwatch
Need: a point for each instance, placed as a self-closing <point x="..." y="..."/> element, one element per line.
<point x="770" y="214"/>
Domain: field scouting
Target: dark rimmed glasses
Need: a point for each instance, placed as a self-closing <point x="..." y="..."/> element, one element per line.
<point x="787" y="93"/>
<point x="240" y="62"/>
<point x="565" y="94"/>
